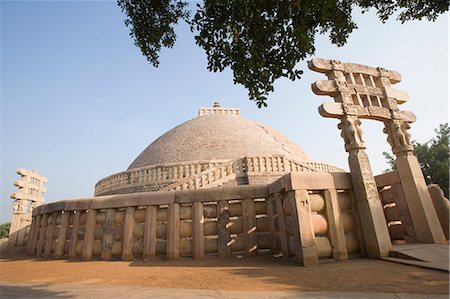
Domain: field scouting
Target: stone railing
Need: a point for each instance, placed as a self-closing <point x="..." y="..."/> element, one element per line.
<point x="281" y="164"/>
<point x="210" y="177"/>
<point x="192" y="223"/>
<point x="221" y="173"/>
<point x="314" y="215"/>
<point x="303" y="216"/>
<point x="322" y="167"/>
<point x="151" y="178"/>
<point x="198" y="174"/>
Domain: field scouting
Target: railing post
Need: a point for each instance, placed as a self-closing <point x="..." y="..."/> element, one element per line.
<point x="128" y="238"/>
<point x="223" y="218"/>
<point x="306" y="252"/>
<point x="59" y="250"/>
<point x="173" y="231"/>
<point x="108" y="231"/>
<point x="198" y="232"/>
<point x="271" y="219"/>
<point x="74" y="236"/>
<point x="249" y="227"/>
<point x="32" y="239"/>
<point x="281" y="225"/>
<point x="149" y="250"/>
<point x="335" y="225"/>
<point x="49" y="235"/>
<point x="89" y="235"/>
<point x="42" y="235"/>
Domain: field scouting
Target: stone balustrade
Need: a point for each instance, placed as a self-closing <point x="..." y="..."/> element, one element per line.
<point x="209" y="177"/>
<point x="280" y="164"/>
<point x="151" y="178"/>
<point x="201" y="174"/>
<point x="191" y="223"/>
<point x="304" y="216"/>
<point x="313" y="216"/>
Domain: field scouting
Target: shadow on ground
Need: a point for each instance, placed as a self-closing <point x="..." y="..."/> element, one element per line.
<point x="35" y="291"/>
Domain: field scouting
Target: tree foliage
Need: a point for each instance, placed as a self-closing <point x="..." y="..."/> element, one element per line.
<point x="433" y="157"/>
<point x="152" y="24"/>
<point x="390" y="160"/>
<point x="408" y="9"/>
<point x="4" y="229"/>
<point x="263" y="40"/>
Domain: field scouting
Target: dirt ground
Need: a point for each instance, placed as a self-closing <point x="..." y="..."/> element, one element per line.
<point x="263" y="273"/>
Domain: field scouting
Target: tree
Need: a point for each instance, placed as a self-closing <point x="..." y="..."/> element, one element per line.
<point x="260" y="41"/>
<point x="433" y="157"/>
<point x="4" y="229"/>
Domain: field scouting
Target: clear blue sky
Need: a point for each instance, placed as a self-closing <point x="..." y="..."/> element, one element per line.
<point x="79" y="102"/>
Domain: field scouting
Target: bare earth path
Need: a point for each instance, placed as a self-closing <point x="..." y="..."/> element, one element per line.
<point x="264" y="273"/>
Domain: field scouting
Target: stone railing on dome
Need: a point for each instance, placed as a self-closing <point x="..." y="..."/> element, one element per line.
<point x="151" y="178"/>
<point x="319" y="166"/>
<point x="213" y="177"/>
<point x="220" y="174"/>
<point x="281" y="164"/>
<point x="303" y="216"/>
<point x="198" y="175"/>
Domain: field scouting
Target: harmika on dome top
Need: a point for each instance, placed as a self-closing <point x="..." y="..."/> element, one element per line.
<point x="217" y="148"/>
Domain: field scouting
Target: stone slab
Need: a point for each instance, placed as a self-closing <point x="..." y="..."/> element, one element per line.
<point x="435" y="256"/>
<point x="311" y="181"/>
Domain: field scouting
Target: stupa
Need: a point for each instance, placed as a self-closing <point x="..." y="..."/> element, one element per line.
<point x="221" y="185"/>
<point x="217" y="148"/>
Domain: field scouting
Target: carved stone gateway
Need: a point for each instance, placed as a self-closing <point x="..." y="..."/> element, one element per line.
<point x="31" y="188"/>
<point x="362" y="92"/>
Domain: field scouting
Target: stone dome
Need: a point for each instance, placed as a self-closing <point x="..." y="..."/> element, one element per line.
<point x="217" y="137"/>
<point x="218" y="148"/>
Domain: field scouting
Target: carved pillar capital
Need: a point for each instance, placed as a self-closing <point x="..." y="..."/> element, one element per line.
<point x="20" y="206"/>
<point x="351" y="132"/>
<point x="398" y="136"/>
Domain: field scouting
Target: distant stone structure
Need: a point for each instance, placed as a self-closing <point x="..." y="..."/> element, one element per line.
<point x="30" y="195"/>
<point x="221" y="185"/>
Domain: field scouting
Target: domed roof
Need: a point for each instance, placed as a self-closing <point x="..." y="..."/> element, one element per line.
<point x="217" y="137"/>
